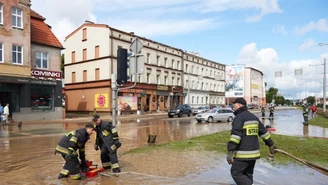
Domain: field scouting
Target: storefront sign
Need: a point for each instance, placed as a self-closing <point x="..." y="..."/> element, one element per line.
<point x="162" y="88"/>
<point x="43" y="82"/>
<point x="132" y="90"/>
<point x="101" y="101"/>
<point x="46" y="74"/>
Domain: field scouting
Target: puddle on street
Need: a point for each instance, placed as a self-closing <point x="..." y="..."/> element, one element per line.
<point x="27" y="154"/>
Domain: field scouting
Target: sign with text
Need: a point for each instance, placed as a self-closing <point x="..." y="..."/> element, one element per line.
<point x="127" y="103"/>
<point x="163" y="88"/>
<point x="46" y="74"/>
<point x="101" y="101"/>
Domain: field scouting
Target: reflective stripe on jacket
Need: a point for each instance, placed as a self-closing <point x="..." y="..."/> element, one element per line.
<point x="246" y="128"/>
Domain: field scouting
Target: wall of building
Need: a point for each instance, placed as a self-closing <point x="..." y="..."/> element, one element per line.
<point x="254" y="93"/>
<point x="15" y="36"/>
<point x="54" y="56"/>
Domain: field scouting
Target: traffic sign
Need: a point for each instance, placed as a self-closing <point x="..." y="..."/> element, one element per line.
<point x="136" y="46"/>
<point x="137" y="64"/>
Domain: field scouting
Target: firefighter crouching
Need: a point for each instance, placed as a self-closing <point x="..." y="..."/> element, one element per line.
<point x="243" y="147"/>
<point x="305" y="115"/>
<point x="108" y="141"/>
<point x="68" y="146"/>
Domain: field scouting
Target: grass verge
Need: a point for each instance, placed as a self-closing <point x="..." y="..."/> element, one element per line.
<point x="319" y="121"/>
<point x="311" y="149"/>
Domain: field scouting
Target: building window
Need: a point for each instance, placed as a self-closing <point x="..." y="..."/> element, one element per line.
<point x="148" y="58"/>
<point x="97" y="52"/>
<point x="73" y="56"/>
<point x="173" y="63"/>
<point x="187" y="68"/>
<point x="97" y="75"/>
<point x="42" y="98"/>
<point x="42" y="60"/>
<point x="165" y="62"/>
<point x="84" y="54"/>
<point x="158" y="79"/>
<point x="73" y="77"/>
<point x="197" y="99"/>
<point x="202" y="85"/>
<point x="192" y="99"/>
<point x="17" y="54"/>
<point x="202" y="71"/>
<point x="202" y="100"/>
<point x="165" y="80"/>
<point x="178" y="81"/>
<point x="178" y="65"/>
<point x="139" y="78"/>
<point x="198" y="87"/>
<point x="187" y="83"/>
<point x="85" y="75"/>
<point x="157" y="60"/>
<point x="173" y="81"/>
<point x="1" y="52"/>
<point x="148" y="78"/>
<point x="17" y="17"/>
<point x="84" y="34"/>
<point x="193" y="84"/>
<point x="1" y="14"/>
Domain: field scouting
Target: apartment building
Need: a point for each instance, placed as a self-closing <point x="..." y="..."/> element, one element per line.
<point x="29" y="63"/>
<point x="203" y="81"/>
<point x="91" y="58"/>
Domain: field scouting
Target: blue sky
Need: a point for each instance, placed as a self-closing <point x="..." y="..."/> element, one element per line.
<point x="269" y="35"/>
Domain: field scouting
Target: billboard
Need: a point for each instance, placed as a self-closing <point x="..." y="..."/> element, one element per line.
<point x="234" y="81"/>
<point x="101" y="101"/>
<point x="127" y="103"/>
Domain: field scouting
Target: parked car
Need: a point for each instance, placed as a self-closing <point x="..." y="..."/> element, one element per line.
<point x="180" y="110"/>
<point x="200" y="110"/>
<point x="214" y="115"/>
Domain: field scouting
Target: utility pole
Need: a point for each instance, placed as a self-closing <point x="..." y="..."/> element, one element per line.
<point x="114" y="98"/>
<point x="189" y="88"/>
<point x="324" y="85"/>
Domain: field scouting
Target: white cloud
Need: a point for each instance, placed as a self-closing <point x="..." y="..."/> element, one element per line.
<point x="309" y="43"/>
<point x="321" y="25"/>
<point x="280" y="30"/>
<point x="267" y="61"/>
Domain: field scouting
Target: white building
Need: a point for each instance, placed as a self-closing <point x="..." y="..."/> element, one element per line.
<point x="203" y="81"/>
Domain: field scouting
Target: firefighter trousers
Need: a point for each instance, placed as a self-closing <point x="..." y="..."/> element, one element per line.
<point x="109" y="158"/>
<point x="72" y="168"/>
<point x="242" y="172"/>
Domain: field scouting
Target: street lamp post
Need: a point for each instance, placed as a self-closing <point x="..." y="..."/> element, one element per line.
<point x="324" y="79"/>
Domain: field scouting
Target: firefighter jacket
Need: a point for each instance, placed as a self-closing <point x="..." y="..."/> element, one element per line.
<point x="305" y="111"/>
<point x="107" y="135"/>
<point x="74" y="140"/>
<point x="244" y="142"/>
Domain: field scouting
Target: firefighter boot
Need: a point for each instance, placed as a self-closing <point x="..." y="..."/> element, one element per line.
<point x="116" y="170"/>
<point x="62" y="176"/>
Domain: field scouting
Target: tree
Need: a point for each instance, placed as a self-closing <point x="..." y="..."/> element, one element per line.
<point x="310" y="99"/>
<point x="280" y="100"/>
<point x="288" y="102"/>
<point x="271" y="94"/>
<point x="62" y="66"/>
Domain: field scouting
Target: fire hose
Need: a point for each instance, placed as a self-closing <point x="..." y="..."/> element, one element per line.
<point x="307" y="163"/>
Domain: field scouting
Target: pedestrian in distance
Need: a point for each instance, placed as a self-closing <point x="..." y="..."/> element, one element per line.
<point x="108" y="141"/>
<point x="263" y="111"/>
<point x="314" y="111"/>
<point x="6" y="114"/>
<point x="243" y="147"/>
<point x="68" y="146"/>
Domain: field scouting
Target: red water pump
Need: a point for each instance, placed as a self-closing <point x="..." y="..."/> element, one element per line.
<point x="93" y="170"/>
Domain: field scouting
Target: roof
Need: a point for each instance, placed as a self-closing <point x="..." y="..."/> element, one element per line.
<point x="41" y="33"/>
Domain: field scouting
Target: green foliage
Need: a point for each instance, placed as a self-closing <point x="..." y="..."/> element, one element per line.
<point x="62" y="66"/>
<point x="289" y="102"/>
<point x="310" y="100"/>
<point x="306" y="148"/>
<point x="270" y="94"/>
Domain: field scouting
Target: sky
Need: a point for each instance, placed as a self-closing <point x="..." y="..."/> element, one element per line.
<point x="269" y="35"/>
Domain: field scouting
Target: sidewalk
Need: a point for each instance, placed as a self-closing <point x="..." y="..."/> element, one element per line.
<point x="75" y="117"/>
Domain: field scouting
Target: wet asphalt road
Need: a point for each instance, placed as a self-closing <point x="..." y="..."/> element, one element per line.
<point x="28" y="153"/>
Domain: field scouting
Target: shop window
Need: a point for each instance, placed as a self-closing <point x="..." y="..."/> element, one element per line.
<point x="42" y="98"/>
<point x="42" y="60"/>
<point x="97" y="52"/>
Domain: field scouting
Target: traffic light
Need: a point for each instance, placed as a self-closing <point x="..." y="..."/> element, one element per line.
<point x="122" y="66"/>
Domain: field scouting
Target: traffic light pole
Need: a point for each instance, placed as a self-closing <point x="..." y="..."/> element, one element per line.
<point x="114" y="99"/>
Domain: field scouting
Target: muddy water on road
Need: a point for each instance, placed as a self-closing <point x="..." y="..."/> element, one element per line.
<point x="28" y="154"/>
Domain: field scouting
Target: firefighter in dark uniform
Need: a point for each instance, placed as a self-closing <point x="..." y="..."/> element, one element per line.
<point x="68" y="146"/>
<point x="271" y="112"/>
<point x="263" y="111"/>
<point x="243" y="147"/>
<point x="305" y="115"/>
<point x="108" y="141"/>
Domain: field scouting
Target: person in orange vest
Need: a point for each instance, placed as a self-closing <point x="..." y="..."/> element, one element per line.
<point x="314" y="111"/>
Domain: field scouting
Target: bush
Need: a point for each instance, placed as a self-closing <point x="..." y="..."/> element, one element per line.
<point x="324" y="114"/>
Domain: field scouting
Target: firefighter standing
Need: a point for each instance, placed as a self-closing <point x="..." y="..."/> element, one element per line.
<point x="243" y="147"/>
<point x="271" y="112"/>
<point x="305" y="115"/>
<point x="68" y="146"/>
<point x="108" y="141"/>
